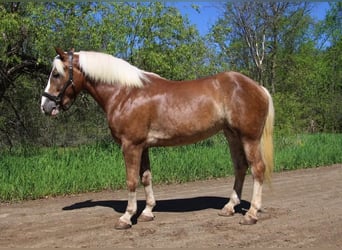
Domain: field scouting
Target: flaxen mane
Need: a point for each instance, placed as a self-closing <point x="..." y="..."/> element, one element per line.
<point x="111" y="70"/>
<point x="107" y="69"/>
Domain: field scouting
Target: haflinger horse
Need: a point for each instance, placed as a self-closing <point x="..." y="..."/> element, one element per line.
<point x="145" y="110"/>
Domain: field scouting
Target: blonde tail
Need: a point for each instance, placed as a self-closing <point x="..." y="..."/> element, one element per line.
<point x="267" y="139"/>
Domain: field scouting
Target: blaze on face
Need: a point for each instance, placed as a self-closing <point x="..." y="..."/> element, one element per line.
<point x="57" y="94"/>
<point x="48" y="106"/>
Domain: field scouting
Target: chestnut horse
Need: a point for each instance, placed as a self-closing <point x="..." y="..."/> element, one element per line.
<point x="145" y="110"/>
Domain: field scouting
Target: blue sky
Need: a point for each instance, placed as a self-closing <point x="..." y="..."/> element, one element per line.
<point x="210" y="11"/>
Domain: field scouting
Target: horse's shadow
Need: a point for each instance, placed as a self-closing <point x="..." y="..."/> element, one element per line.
<point x="171" y="205"/>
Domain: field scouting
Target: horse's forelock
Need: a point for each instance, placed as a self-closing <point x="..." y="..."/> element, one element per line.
<point x="59" y="66"/>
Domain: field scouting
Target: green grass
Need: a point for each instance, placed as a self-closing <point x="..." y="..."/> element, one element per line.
<point x="307" y="150"/>
<point x="30" y="173"/>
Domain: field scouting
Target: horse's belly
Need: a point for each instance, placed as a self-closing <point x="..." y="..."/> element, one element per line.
<point x="177" y="138"/>
<point x="188" y="120"/>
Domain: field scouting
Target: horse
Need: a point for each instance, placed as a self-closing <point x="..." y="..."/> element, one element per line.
<point x="145" y="110"/>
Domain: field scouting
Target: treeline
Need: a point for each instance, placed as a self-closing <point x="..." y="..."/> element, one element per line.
<point x="279" y="44"/>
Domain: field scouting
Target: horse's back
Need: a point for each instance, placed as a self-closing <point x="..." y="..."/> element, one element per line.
<point x="230" y="95"/>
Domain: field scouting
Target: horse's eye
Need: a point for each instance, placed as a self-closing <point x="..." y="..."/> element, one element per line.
<point x="55" y="74"/>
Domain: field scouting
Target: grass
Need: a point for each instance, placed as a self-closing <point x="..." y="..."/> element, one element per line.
<point x="307" y="150"/>
<point x="30" y="172"/>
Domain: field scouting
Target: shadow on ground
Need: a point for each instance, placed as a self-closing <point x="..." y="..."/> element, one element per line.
<point x="170" y="205"/>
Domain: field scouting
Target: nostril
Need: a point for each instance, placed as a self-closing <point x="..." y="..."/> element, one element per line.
<point x="48" y="106"/>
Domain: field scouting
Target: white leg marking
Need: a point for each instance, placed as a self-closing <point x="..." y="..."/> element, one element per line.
<point x="131" y="208"/>
<point x="150" y="201"/>
<point x="233" y="201"/>
<point x="256" y="199"/>
<point x="257" y="193"/>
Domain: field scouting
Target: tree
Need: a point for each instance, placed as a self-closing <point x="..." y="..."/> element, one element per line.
<point x="298" y="59"/>
<point x="152" y="36"/>
<point x="331" y="39"/>
<point x="252" y="33"/>
<point x="17" y="68"/>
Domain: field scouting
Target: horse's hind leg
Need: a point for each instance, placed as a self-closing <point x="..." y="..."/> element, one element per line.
<point x="240" y="168"/>
<point x="254" y="157"/>
<point x="146" y="179"/>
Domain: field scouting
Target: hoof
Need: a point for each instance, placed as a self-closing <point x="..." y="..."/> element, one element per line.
<point x="145" y="218"/>
<point x="226" y="212"/>
<point x="248" y="220"/>
<point x="121" y="225"/>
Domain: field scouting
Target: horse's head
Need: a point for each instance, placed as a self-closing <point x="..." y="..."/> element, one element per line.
<point x="62" y="89"/>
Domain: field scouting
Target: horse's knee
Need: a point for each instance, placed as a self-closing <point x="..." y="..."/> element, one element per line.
<point x="132" y="185"/>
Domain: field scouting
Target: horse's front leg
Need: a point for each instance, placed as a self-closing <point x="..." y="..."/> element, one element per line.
<point x="132" y="156"/>
<point x="146" y="180"/>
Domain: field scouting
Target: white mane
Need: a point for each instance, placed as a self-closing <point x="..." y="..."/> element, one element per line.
<point x="111" y="70"/>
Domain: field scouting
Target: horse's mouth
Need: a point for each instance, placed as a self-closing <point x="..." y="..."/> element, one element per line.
<point x="54" y="112"/>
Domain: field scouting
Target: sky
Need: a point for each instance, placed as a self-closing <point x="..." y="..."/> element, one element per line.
<point x="210" y="11"/>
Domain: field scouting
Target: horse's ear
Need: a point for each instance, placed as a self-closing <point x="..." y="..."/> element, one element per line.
<point x="60" y="52"/>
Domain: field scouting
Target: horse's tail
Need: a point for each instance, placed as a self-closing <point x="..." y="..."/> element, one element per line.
<point x="267" y="139"/>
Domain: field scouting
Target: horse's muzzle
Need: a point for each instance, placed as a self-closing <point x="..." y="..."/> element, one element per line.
<point x="49" y="108"/>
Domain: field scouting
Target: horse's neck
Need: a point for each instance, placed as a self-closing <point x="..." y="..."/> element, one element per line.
<point x="104" y="94"/>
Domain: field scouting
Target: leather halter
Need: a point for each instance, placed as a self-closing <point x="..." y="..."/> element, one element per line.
<point x="59" y="98"/>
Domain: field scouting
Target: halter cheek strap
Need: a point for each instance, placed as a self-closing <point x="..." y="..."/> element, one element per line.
<point x="59" y="98"/>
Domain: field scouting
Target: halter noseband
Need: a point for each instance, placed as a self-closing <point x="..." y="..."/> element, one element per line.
<point x="59" y="98"/>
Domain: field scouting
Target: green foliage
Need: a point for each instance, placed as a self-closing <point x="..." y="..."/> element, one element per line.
<point x="301" y="64"/>
<point x="152" y="36"/>
<point x="307" y="150"/>
<point x="31" y="172"/>
<point x="289" y="110"/>
<point x="305" y="84"/>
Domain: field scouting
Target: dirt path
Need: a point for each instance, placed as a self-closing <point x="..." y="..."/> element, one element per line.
<point x="304" y="208"/>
